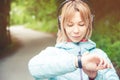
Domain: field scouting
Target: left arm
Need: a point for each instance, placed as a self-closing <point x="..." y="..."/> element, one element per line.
<point x="108" y="73"/>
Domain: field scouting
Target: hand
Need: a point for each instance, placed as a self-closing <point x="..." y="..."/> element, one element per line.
<point x="92" y="63"/>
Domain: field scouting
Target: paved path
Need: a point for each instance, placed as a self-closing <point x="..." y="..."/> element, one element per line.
<point x="15" y="66"/>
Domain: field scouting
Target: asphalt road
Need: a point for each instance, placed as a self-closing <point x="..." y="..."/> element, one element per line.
<point x="15" y="66"/>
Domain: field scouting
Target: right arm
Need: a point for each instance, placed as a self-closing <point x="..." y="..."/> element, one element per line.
<point x="51" y="62"/>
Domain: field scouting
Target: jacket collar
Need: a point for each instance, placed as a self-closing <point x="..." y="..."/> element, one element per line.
<point x="88" y="45"/>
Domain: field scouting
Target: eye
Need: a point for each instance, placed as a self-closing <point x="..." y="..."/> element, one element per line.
<point x="81" y="24"/>
<point x="69" y="24"/>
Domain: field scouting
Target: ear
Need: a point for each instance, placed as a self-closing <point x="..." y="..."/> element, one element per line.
<point x="59" y="22"/>
<point x="92" y="17"/>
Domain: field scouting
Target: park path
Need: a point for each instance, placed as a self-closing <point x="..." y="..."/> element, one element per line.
<point x="15" y="66"/>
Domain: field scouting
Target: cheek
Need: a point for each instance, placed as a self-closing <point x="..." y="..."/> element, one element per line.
<point x="84" y="29"/>
<point x="68" y="30"/>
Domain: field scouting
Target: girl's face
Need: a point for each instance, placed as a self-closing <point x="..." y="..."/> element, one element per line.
<point x="75" y="28"/>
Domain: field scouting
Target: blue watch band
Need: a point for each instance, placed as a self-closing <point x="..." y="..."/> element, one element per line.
<point x="79" y="61"/>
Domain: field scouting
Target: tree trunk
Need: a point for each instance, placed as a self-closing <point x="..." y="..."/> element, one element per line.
<point x="4" y="23"/>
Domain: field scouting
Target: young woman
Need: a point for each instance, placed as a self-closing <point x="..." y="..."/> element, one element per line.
<point x="68" y="59"/>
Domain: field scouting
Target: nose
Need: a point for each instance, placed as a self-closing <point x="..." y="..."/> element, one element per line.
<point x="76" y="30"/>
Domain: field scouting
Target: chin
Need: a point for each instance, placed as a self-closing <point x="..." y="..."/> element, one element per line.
<point x="76" y="41"/>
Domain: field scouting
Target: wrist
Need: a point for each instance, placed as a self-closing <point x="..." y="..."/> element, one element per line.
<point x="91" y="78"/>
<point x="79" y="61"/>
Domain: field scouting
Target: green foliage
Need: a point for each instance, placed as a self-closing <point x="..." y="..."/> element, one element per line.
<point x="18" y="15"/>
<point x="41" y="15"/>
<point x="115" y="52"/>
<point x="36" y="14"/>
<point x="106" y="36"/>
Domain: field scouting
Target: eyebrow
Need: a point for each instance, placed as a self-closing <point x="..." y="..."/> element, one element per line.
<point x="70" y="21"/>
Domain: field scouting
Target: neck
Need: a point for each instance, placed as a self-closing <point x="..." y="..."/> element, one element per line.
<point x="83" y="40"/>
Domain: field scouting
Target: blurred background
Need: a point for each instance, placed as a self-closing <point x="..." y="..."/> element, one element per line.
<point x="22" y="20"/>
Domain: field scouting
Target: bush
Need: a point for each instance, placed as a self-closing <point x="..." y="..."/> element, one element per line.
<point x="41" y="16"/>
<point x="115" y="53"/>
<point x="106" y="36"/>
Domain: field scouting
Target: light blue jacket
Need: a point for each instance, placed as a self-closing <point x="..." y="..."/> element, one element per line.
<point x="58" y="63"/>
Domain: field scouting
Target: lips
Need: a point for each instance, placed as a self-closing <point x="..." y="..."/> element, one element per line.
<point x="76" y="36"/>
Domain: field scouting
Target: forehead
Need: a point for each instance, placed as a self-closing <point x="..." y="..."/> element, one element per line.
<point x="73" y="16"/>
<point x="69" y="10"/>
<point x="70" y="13"/>
<point x="76" y="17"/>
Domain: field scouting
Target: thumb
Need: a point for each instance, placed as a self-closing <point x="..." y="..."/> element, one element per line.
<point x="100" y="67"/>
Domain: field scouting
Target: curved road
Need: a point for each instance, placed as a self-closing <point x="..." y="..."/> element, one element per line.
<point x="15" y="66"/>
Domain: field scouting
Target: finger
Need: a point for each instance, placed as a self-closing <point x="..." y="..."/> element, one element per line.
<point x="109" y="66"/>
<point x="106" y="64"/>
<point x="100" y="68"/>
<point x="101" y="61"/>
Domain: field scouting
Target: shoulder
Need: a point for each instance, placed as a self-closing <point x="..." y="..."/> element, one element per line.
<point x="50" y="50"/>
<point x="99" y="52"/>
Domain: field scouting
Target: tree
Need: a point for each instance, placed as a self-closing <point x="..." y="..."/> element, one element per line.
<point x="4" y="23"/>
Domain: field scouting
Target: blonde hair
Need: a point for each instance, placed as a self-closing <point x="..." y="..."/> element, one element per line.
<point x="67" y="12"/>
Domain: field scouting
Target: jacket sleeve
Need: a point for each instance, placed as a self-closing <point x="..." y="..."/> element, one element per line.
<point x="106" y="74"/>
<point x="51" y="62"/>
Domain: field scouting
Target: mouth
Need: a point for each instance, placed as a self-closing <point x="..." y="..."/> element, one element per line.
<point x="76" y="36"/>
